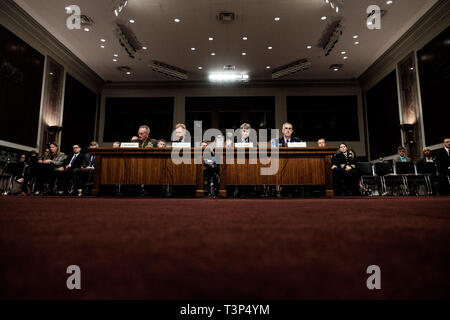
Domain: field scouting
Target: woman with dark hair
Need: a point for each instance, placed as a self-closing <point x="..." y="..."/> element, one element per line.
<point x="48" y="167"/>
<point x="347" y="175"/>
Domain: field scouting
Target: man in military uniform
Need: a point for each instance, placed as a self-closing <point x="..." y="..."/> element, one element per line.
<point x="144" y="139"/>
<point x="347" y="175"/>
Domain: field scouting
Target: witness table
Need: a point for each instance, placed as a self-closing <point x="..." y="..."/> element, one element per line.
<point x="154" y="166"/>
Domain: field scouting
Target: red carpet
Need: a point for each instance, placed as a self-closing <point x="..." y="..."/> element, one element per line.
<point x="224" y="249"/>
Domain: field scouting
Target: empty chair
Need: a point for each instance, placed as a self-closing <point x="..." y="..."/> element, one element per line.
<point x="384" y="170"/>
<point x="429" y="171"/>
<point x="369" y="182"/>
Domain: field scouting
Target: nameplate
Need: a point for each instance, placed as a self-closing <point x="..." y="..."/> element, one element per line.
<point x="179" y="145"/>
<point x="129" y="145"/>
<point x="244" y="145"/>
<point x="296" y="144"/>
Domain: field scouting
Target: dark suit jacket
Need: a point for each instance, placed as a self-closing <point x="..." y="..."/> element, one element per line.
<point x="293" y="139"/>
<point x="77" y="163"/>
<point x="443" y="161"/>
<point x="87" y="161"/>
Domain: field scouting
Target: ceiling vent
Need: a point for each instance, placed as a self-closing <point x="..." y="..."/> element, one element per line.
<point x="127" y="39"/>
<point x="124" y="69"/>
<point x="226" y="17"/>
<point x="86" y="21"/>
<point x="168" y="70"/>
<point x="291" y="68"/>
<point x="229" y="67"/>
<point x="331" y="36"/>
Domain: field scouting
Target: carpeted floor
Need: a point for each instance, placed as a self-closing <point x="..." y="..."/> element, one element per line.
<point x="224" y="249"/>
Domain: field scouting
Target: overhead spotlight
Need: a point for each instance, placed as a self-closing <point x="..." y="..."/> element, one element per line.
<point x="86" y="29"/>
<point x="244" y="38"/>
<point x="324" y="18"/>
<point x="132" y="21"/>
<point x="119" y="5"/>
<point x="267" y="67"/>
<point x="244" y="53"/>
<point x="210" y="38"/>
<point x="176" y="20"/>
<point x="308" y="47"/>
<point x="291" y="68"/>
<point x="389" y="2"/>
<point x="213" y="53"/>
<point x="168" y="70"/>
<point x="200" y="68"/>
<point x="144" y="48"/>
<point x="336" y="67"/>
<point x="277" y="19"/>
<point x="228" y="77"/>
<point x="269" y="47"/>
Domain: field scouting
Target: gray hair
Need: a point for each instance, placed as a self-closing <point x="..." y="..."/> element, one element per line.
<point x="145" y="127"/>
<point x="246" y="126"/>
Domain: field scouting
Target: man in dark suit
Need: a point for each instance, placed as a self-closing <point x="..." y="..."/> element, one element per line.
<point x="181" y="135"/>
<point x="287" y="131"/>
<point x="245" y="135"/>
<point x="88" y="166"/>
<point x="443" y="163"/>
<point x="72" y="170"/>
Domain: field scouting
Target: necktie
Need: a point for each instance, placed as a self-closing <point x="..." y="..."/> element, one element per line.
<point x="73" y="159"/>
<point x="91" y="164"/>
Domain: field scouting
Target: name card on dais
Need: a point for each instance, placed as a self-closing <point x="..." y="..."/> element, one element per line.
<point x="244" y="145"/>
<point x="296" y="144"/>
<point x="179" y="145"/>
<point x="129" y="145"/>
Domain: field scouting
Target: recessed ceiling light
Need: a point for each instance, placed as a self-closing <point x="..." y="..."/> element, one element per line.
<point x="102" y="40"/>
<point x="345" y="58"/>
<point x="355" y="36"/>
<point x="324" y="18"/>
<point x="213" y="53"/>
<point x="176" y="20"/>
<point x="335" y="69"/>
<point x="244" y="38"/>
<point x="210" y="38"/>
<point x="192" y="49"/>
<point x="200" y="68"/>
<point x="86" y="29"/>
<point x="144" y="48"/>
<point x="102" y="46"/>
<point x="132" y="21"/>
<point x="115" y="60"/>
<point x="128" y="72"/>
<point x="116" y="55"/>
<point x="356" y="42"/>
<point x="277" y="19"/>
<point x="389" y="2"/>
<point x="268" y="67"/>
<point x="269" y="47"/>
<point x="343" y="52"/>
<point x="51" y="73"/>
<point x="308" y="47"/>
<point x="244" y="53"/>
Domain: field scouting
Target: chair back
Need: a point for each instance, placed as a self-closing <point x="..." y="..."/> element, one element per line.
<point x="383" y="168"/>
<point x="365" y="168"/>
<point x="404" y="168"/>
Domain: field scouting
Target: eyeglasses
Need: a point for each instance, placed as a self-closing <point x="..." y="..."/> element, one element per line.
<point x="288" y="128"/>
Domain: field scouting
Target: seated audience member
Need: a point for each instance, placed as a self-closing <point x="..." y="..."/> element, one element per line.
<point x="443" y="163"/>
<point x="443" y="158"/>
<point x="180" y="134"/>
<point x="347" y="177"/>
<point x="401" y="155"/>
<point x="88" y="165"/>
<point x="161" y="143"/>
<point x="20" y="176"/>
<point x="427" y="156"/>
<point x="144" y="139"/>
<point x="321" y="143"/>
<point x="48" y="169"/>
<point x="204" y="144"/>
<point x="287" y="131"/>
<point x="72" y="171"/>
<point x="116" y="145"/>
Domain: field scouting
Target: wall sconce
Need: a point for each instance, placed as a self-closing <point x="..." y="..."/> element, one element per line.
<point x="409" y="136"/>
<point x="53" y="134"/>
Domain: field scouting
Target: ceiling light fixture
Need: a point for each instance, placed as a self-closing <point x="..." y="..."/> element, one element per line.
<point x="355" y="36"/>
<point x="277" y="19"/>
<point x="244" y="38"/>
<point x="102" y="40"/>
<point x="336" y="67"/>
<point x="324" y="18"/>
<point x="193" y="49"/>
<point x="356" y="43"/>
<point x="102" y="46"/>
<point x="389" y="2"/>
<point x="228" y="77"/>
<point x="144" y="48"/>
<point x="268" y="67"/>
<point x="115" y="60"/>
<point x="132" y="21"/>
<point x="345" y="57"/>
<point x="269" y="48"/>
<point x="177" y="20"/>
<point x="308" y="47"/>
<point x="213" y="54"/>
<point x="343" y="52"/>
<point x="116" y="55"/>
<point x="244" y="53"/>
<point x="86" y="29"/>
<point x="210" y="38"/>
<point x="200" y="68"/>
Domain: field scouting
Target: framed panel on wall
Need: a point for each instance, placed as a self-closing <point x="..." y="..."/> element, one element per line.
<point x="123" y="116"/>
<point x="334" y="118"/>
<point x="383" y="117"/>
<point x="21" y="74"/>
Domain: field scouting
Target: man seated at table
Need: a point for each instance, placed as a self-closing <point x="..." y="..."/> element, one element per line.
<point x="144" y="139"/>
<point x="181" y="135"/>
<point x="287" y="131"/>
<point x="116" y="145"/>
<point x="161" y="143"/>
<point x="321" y="143"/>
<point x="245" y="135"/>
<point x="88" y="166"/>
